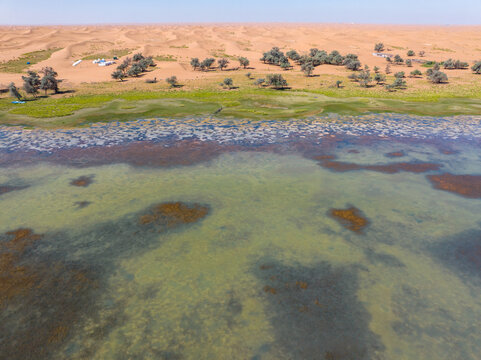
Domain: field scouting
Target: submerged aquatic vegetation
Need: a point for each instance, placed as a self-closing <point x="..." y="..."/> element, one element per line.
<point x="392" y="168"/>
<point x="465" y="185"/>
<point x="395" y="154"/>
<point x="315" y="312"/>
<point x="351" y="218"/>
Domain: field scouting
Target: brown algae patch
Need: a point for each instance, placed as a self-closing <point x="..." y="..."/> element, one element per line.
<point x="465" y="185"/>
<point x="351" y="218"/>
<point x="82" y="181"/>
<point x="172" y="214"/>
<point x="395" y="154"/>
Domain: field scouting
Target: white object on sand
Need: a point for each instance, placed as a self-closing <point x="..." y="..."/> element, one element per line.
<point x="77" y="62"/>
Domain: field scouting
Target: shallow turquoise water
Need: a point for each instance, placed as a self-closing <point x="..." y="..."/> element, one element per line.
<point x="267" y="274"/>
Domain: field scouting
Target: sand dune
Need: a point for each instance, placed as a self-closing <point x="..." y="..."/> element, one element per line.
<point x="250" y="40"/>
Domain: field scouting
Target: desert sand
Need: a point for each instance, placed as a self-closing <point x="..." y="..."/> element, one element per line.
<point x="217" y="40"/>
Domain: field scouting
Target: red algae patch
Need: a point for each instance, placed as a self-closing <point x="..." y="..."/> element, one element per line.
<point x="174" y="213"/>
<point x="5" y="188"/>
<point x="353" y="151"/>
<point x="351" y="218"/>
<point x="395" y="154"/>
<point x="82" y="181"/>
<point x="465" y="185"/>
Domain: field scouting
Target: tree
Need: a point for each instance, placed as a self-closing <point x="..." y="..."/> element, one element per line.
<point x="207" y="63"/>
<point x="49" y="80"/>
<point x="388" y="69"/>
<point x="125" y="65"/>
<point x="195" y="63"/>
<point x="307" y="68"/>
<point x="376" y="69"/>
<point x="411" y="53"/>
<point x="222" y="63"/>
<point x="364" y="78"/>
<point x="259" y="82"/>
<point x="438" y="77"/>
<point x="352" y="62"/>
<point x="228" y="82"/>
<point x="293" y="55"/>
<point x="31" y="83"/>
<point x="422" y="53"/>
<point x="398" y="59"/>
<point x="248" y="75"/>
<point x="244" y="62"/>
<point x="400" y="75"/>
<point x="138" y="57"/>
<point x="338" y="83"/>
<point x="416" y="73"/>
<point x="273" y="56"/>
<point x="172" y="81"/>
<point x="118" y="75"/>
<point x="135" y="70"/>
<point x="13" y="91"/>
<point x="476" y="67"/>
<point x="409" y="63"/>
<point x="379" y="47"/>
<point x="276" y="81"/>
<point x="379" y="78"/>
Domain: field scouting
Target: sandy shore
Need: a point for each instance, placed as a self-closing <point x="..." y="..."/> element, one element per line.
<point x="183" y="42"/>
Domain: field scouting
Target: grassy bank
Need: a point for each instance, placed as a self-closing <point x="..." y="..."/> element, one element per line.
<point x="125" y="101"/>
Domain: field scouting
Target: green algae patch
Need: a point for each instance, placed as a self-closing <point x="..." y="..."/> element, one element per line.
<point x="76" y="110"/>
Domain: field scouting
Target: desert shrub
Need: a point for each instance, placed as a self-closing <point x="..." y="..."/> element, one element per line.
<point x="352" y="77"/>
<point x="228" y="82"/>
<point x="388" y="69"/>
<point x="422" y="53"/>
<point x="398" y="59"/>
<point x="151" y="81"/>
<point x="259" y="82"/>
<point x="172" y="81"/>
<point x="451" y="64"/>
<point x="364" y="78"/>
<point x="438" y="77"/>
<point x="207" y="63"/>
<point x="399" y="83"/>
<point x="409" y="63"/>
<point x="476" y="67"/>
<point x="416" y="73"/>
<point x="411" y="53"/>
<point x="379" y="78"/>
<point x="376" y="69"/>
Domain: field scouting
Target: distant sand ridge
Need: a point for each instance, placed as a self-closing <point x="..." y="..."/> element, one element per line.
<point x="182" y="42"/>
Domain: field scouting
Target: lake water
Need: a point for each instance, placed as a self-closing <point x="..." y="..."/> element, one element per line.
<point x="337" y="238"/>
